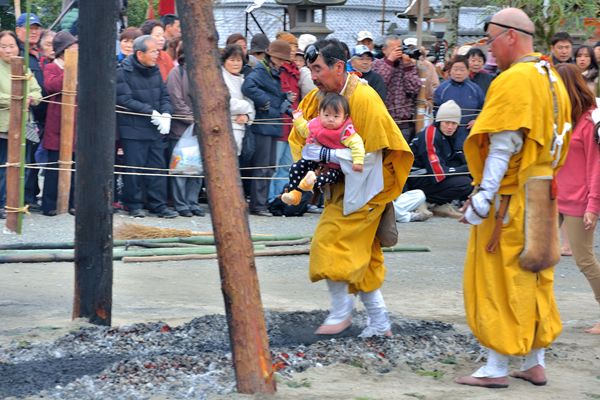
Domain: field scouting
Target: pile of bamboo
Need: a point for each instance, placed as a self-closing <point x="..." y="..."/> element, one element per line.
<point x="139" y="243"/>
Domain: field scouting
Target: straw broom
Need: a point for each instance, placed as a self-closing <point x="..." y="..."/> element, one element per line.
<point x="129" y="231"/>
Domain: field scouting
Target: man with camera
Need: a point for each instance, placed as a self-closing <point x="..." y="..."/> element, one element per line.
<point x="399" y="71"/>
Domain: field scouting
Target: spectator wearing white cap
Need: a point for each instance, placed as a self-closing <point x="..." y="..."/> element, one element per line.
<point x="365" y="38"/>
<point x="305" y="82"/>
<point x="362" y="61"/>
<point x="436" y="156"/>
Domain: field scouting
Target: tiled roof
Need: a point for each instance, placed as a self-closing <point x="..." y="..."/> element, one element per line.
<point x="346" y="21"/>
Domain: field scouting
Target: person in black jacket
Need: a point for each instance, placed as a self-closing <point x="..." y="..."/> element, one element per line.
<point x="263" y="87"/>
<point x="140" y="89"/>
<point x="436" y="155"/>
<point x="39" y="112"/>
<point x="362" y="61"/>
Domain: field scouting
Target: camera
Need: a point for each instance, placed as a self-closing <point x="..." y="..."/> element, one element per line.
<point x="411" y="51"/>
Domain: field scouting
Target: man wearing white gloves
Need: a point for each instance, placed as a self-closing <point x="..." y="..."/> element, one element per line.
<point x="140" y="89"/>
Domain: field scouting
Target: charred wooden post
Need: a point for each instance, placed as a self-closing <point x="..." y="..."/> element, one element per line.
<point x="95" y="149"/>
<point x="14" y="196"/>
<point x="67" y="130"/>
<point x="228" y="210"/>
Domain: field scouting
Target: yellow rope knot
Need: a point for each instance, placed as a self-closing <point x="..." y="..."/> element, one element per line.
<point x="25" y="77"/>
<point x="24" y="209"/>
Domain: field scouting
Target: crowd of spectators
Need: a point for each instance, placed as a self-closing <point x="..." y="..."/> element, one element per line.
<point x="266" y="79"/>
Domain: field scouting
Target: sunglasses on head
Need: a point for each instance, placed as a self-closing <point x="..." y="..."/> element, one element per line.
<point x="311" y="53"/>
<point x="488" y="23"/>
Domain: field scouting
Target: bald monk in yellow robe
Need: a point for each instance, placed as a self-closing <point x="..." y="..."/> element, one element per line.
<point x="526" y="115"/>
<point x="345" y="250"/>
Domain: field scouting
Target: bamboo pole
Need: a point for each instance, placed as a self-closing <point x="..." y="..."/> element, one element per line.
<point x="69" y="254"/>
<point x="14" y="196"/>
<point x="194" y="240"/>
<point x="67" y="130"/>
<point x="228" y="209"/>
<point x="187" y="257"/>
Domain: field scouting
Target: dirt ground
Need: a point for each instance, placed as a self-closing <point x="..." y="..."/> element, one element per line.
<point x="36" y="303"/>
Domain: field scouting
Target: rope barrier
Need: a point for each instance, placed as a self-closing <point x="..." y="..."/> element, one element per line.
<point x="259" y="121"/>
<point x="43" y="167"/>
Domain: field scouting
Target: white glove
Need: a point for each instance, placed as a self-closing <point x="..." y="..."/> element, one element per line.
<point x="155" y="118"/>
<point x="316" y="152"/>
<point x="502" y="146"/>
<point x="165" y="124"/>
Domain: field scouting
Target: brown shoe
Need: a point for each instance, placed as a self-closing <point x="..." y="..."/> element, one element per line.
<point x="490" y="383"/>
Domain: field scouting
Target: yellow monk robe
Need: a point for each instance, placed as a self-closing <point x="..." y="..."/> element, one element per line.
<point x="344" y="248"/>
<point x="511" y="310"/>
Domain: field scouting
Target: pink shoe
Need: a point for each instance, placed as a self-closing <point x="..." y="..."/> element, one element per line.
<point x="334" y="329"/>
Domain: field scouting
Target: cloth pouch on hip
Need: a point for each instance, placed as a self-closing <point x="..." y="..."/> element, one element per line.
<point x="387" y="231"/>
<point x="542" y="248"/>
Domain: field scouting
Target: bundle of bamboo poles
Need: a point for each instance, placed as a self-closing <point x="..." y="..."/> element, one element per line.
<point x="140" y="243"/>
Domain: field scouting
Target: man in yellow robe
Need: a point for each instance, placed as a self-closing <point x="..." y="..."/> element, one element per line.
<point x="345" y="251"/>
<point x="510" y="310"/>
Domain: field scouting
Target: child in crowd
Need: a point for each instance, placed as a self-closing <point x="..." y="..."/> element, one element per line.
<point x="332" y="129"/>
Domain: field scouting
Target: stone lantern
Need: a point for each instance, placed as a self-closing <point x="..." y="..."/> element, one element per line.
<point x="309" y="16"/>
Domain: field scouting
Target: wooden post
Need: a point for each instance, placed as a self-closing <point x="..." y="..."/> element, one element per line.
<point x="13" y="193"/>
<point x="96" y="149"/>
<point x="67" y="129"/>
<point x="17" y="9"/>
<point x="422" y="105"/>
<point x="228" y="210"/>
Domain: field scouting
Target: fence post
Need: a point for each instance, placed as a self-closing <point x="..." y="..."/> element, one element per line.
<point x="422" y="103"/>
<point x="14" y="197"/>
<point x="67" y="129"/>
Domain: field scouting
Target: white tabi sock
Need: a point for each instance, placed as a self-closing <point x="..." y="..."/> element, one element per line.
<point x="378" y="322"/>
<point x="342" y="303"/>
<point x="535" y="357"/>
<point x="496" y="366"/>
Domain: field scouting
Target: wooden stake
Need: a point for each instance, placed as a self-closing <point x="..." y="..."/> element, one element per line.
<point x="13" y="193"/>
<point x="96" y="148"/>
<point x="228" y="209"/>
<point x="17" y="9"/>
<point x="421" y="100"/>
<point x="67" y="129"/>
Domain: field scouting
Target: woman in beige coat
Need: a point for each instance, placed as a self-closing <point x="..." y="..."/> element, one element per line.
<point x="9" y="49"/>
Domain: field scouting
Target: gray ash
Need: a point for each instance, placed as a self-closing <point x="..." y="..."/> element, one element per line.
<point x="194" y="360"/>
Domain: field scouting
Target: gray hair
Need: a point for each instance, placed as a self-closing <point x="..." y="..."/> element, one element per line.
<point x="390" y="38"/>
<point x="139" y="44"/>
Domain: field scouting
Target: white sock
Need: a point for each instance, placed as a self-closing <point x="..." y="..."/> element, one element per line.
<point x="535" y="357"/>
<point x="378" y="322"/>
<point x="342" y="303"/>
<point x="496" y="366"/>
